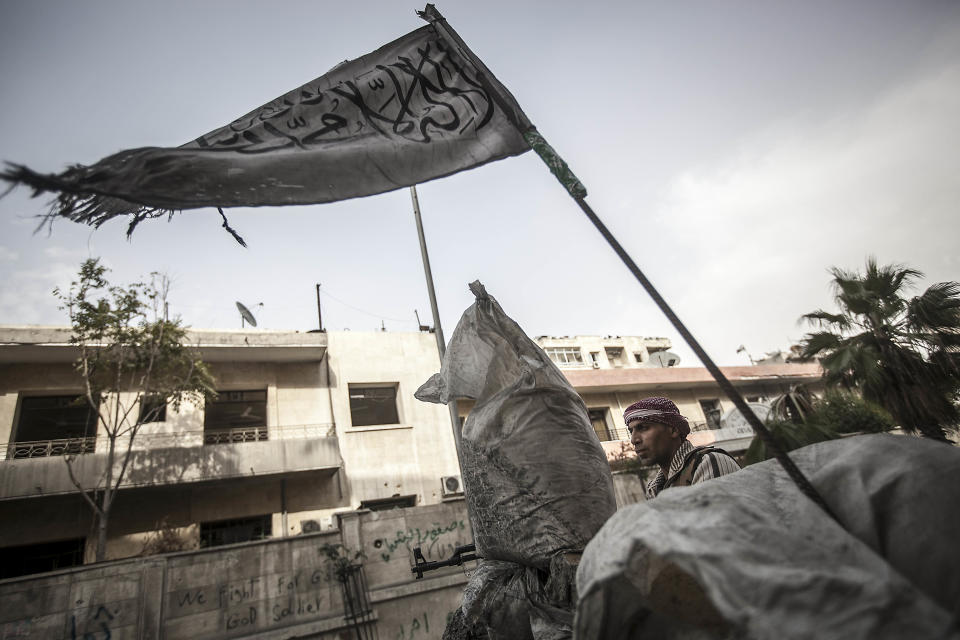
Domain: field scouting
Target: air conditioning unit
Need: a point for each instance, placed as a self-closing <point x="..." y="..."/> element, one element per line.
<point x="310" y="526"/>
<point x="451" y="486"/>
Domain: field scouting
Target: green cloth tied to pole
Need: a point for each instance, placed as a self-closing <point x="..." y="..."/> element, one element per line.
<point x="558" y="167"/>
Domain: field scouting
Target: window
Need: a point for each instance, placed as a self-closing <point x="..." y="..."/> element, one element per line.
<point x="598" y="418"/>
<point x="235" y="416"/>
<point x="385" y="504"/>
<point x="565" y="355"/>
<point x="54" y="426"/>
<point x="637" y="356"/>
<point x="373" y="405"/>
<point x="615" y="355"/>
<point x="595" y="357"/>
<point x="214" y="534"/>
<point x="153" y="408"/>
<point x="711" y="410"/>
<point x="37" y="558"/>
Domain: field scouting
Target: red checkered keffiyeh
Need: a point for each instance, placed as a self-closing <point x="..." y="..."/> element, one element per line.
<point x="657" y="409"/>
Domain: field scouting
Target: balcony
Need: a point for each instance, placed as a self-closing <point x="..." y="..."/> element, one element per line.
<point x="46" y="448"/>
<point x="38" y="468"/>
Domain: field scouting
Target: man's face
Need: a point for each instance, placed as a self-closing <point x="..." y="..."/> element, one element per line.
<point x="654" y="442"/>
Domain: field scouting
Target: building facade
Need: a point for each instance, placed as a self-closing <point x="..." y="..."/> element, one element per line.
<point x="305" y="425"/>
<point x="315" y="440"/>
<point x="612" y="372"/>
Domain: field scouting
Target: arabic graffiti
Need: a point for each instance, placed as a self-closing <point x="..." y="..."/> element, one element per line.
<point x="100" y="621"/>
<point x="420" y="623"/>
<point x="430" y="540"/>
<point x="425" y="93"/>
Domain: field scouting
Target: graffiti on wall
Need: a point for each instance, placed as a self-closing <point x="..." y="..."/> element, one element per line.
<point x="436" y="542"/>
<point x="99" y="622"/>
<point x="416" y="628"/>
<point x="257" y="602"/>
<point x="95" y="627"/>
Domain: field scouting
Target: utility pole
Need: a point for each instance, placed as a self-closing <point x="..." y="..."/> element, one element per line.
<point x="319" y="314"/>
<point x="438" y="330"/>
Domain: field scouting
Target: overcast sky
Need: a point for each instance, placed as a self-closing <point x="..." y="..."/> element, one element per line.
<point x="736" y="149"/>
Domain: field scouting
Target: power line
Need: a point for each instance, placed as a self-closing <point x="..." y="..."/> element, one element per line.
<point x="379" y="316"/>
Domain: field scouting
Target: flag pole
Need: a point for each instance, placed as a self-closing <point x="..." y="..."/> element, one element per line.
<point x="437" y="329"/>
<point x="559" y="168"/>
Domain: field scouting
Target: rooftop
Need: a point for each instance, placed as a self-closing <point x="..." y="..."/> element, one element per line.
<point x="598" y="380"/>
<point x="34" y="343"/>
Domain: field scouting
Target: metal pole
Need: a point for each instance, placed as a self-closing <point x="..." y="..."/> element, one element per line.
<point x="437" y="329"/>
<point x="578" y="192"/>
<point x="319" y="315"/>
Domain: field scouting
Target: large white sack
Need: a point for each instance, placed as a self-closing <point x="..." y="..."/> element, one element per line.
<point x="536" y="480"/>
<point x="746" y="555"/>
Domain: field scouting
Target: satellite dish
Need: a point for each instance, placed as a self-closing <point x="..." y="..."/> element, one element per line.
<point x="246" y="315"/>
<point x="664" y="359"/>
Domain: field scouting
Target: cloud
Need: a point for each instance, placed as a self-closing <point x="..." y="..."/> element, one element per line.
<point x="8" y="255"/>
<point x="27" y="295"/>
<point x="64" y="253"/>
<point x="801" y="196"/>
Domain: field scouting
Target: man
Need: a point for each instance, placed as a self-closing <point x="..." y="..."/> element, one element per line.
<point x="659" y="436"/>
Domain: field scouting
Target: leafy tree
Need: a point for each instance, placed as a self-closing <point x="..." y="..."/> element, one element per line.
<point x="794" y="405"/>
<point x="900" y="353"/>
<point x="814" y="419"/>
<point x="133" y="362"/>
<point x="789" y="435"/>
<point x="847" y="413"/>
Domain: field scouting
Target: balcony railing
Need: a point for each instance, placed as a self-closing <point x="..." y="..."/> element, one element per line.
<point x="232" y="436"/>
<point x="44" y="448"/>
<point x="149" y="439"/>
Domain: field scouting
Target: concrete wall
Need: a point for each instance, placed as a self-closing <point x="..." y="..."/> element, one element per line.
<point x="138" y="513"/>
<point x="628" y="488"/>
<point x="281" y="588"/>
<point x="36" y="477"/>
<point x="407" y="458"/>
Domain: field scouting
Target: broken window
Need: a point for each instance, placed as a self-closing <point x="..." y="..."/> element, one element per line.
<point x="54" y="426"/>
<point x="235" y="416"/>
<point x="373" y="405"/>
<point x="565" y="355"/>
<point x="38" y="558"/>
<point x="598" y="418"/>
<point x="220" y="532"/>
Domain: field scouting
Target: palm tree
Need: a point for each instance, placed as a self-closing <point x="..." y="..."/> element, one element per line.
<point x="902" y="354"/>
